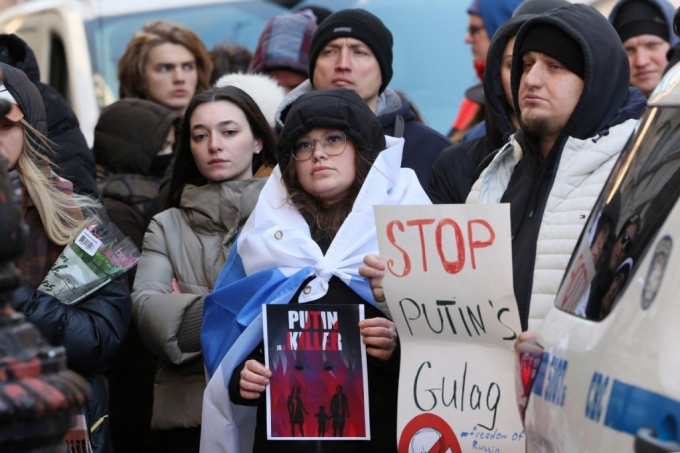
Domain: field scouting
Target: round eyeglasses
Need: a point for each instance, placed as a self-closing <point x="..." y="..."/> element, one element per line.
<point x="332" y="142"/>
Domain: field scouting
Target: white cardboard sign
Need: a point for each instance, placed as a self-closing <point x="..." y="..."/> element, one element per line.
<point x="449" y="287"/>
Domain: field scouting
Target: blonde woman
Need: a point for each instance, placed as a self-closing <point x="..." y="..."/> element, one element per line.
<point x="91" y="331"/>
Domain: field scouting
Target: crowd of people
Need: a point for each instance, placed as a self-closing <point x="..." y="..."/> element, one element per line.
<point x="258" y="187"/>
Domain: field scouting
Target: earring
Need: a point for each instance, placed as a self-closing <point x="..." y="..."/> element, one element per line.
<point x="257" y="150"/>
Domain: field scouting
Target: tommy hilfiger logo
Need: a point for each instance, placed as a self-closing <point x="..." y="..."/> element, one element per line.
<point x="343" y="29"/>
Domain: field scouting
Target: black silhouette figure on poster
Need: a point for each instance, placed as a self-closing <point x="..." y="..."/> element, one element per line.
<point x="339" y="411"/>
<point x="295" y="411"/>
<point x="322" y="416"/>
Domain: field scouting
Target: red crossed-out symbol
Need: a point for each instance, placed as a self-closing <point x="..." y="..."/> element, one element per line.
<point x="428" y="431"/>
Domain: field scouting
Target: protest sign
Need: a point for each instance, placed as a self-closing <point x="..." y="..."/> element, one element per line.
<point x="319" y="384"/>
<point x="448" y="284"/>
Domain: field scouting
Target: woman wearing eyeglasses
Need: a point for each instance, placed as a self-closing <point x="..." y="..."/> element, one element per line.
<point x="312" y="226"/>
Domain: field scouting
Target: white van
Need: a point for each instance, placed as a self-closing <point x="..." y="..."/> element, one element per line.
<point x="608" y="376"/>
<point x="78" y="42"/>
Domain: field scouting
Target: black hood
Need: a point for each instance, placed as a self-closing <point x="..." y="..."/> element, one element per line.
<point x="129" y="133"/>
<point x="498" y="124"/>
<point x="27" y="96"/>
<point x="15" y="52"/>
<point x="607" y="70"/>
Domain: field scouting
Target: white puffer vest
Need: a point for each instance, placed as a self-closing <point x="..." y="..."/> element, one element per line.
<point x="582" y="172"/>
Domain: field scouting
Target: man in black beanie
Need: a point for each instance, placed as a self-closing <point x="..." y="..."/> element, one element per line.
<point x="352" y="49"/>
<point x="570" y="85"/>
<point x="570" y="88"/>
<point x="646" y="31"/>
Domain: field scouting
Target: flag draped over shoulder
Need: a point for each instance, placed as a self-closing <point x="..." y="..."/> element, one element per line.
<point x="273" y="256"/>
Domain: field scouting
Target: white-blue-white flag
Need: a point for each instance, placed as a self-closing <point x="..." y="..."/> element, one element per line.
<point x="273" y="255"/>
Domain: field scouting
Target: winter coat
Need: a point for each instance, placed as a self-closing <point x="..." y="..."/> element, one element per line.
<point x="453" y="172"/>
<point x="190" y="244"/>
<point x="423" y="144"/>
<point x="72" y="157"/>
<point x="90" y="331"/>
<point x="582" y="172"/>
<point x="522" y="176"/>
<point x="127" y="138"/>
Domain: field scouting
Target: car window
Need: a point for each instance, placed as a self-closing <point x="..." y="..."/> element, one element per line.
<point x="238" y="22"/>
<point x="637" y="198"/>
<point x="432" y="63"/>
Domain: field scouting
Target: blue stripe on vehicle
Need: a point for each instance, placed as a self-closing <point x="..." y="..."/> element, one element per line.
<point x="540" y="376"/>
<point x="631" y="408"/>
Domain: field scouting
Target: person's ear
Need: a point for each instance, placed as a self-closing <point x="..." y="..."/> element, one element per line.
<point x="258" y="146"/>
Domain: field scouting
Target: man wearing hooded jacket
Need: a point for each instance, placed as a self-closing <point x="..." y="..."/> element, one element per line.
<point x="646" y="31"/>
<point x="570" y="85"/>
<point x="352" y="49"/>
<point x="454" y="171"/>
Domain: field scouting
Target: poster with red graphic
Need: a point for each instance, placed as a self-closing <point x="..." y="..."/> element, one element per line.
<point x="319" y="386"/>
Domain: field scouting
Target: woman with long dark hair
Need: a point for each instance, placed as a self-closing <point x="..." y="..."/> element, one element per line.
<point x="304" y="243"/>
<point x="224" y="138"/>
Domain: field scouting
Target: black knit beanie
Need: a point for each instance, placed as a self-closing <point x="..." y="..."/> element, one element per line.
<point x="361" y="25"/>
<point x="552" y="41"/>
<point x="637" y="18"/>
<point x="336" y="108"/>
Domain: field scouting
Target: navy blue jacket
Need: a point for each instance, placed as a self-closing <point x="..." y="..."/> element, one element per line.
<point x="422" y="144"/>
<point x="454" y="172"/>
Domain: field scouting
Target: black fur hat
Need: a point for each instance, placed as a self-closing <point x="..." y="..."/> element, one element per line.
<point x="337" y="108"/>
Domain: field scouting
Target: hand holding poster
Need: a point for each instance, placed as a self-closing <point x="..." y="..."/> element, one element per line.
<point x="319" y="384"/>
<point x="448" y="284"/>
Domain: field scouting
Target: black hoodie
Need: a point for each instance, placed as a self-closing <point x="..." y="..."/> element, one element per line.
<point x="74" y="159"/>
<point x="452" y="175"/>
<point x="128" y="135"/>
<point x="606" y="101"/>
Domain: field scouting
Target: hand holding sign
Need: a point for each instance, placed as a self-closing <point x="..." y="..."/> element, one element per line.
<point x="374" y="269"/>
<point x="380" y="337"/>
<point x="446" y="272"/>
<point x="254" y="379"/>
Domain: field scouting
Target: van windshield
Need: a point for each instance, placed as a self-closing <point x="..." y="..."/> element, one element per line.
<point x="637" y="198"/>
<point x="239" y="22"/>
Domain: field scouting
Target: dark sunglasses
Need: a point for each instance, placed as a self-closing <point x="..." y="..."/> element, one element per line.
<point x="474" y="29"/>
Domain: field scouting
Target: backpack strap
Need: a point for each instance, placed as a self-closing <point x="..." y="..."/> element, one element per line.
<point x="399" y="126"/>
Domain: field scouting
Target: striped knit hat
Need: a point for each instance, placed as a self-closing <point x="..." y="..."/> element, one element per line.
<point x="284" y="44"/>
